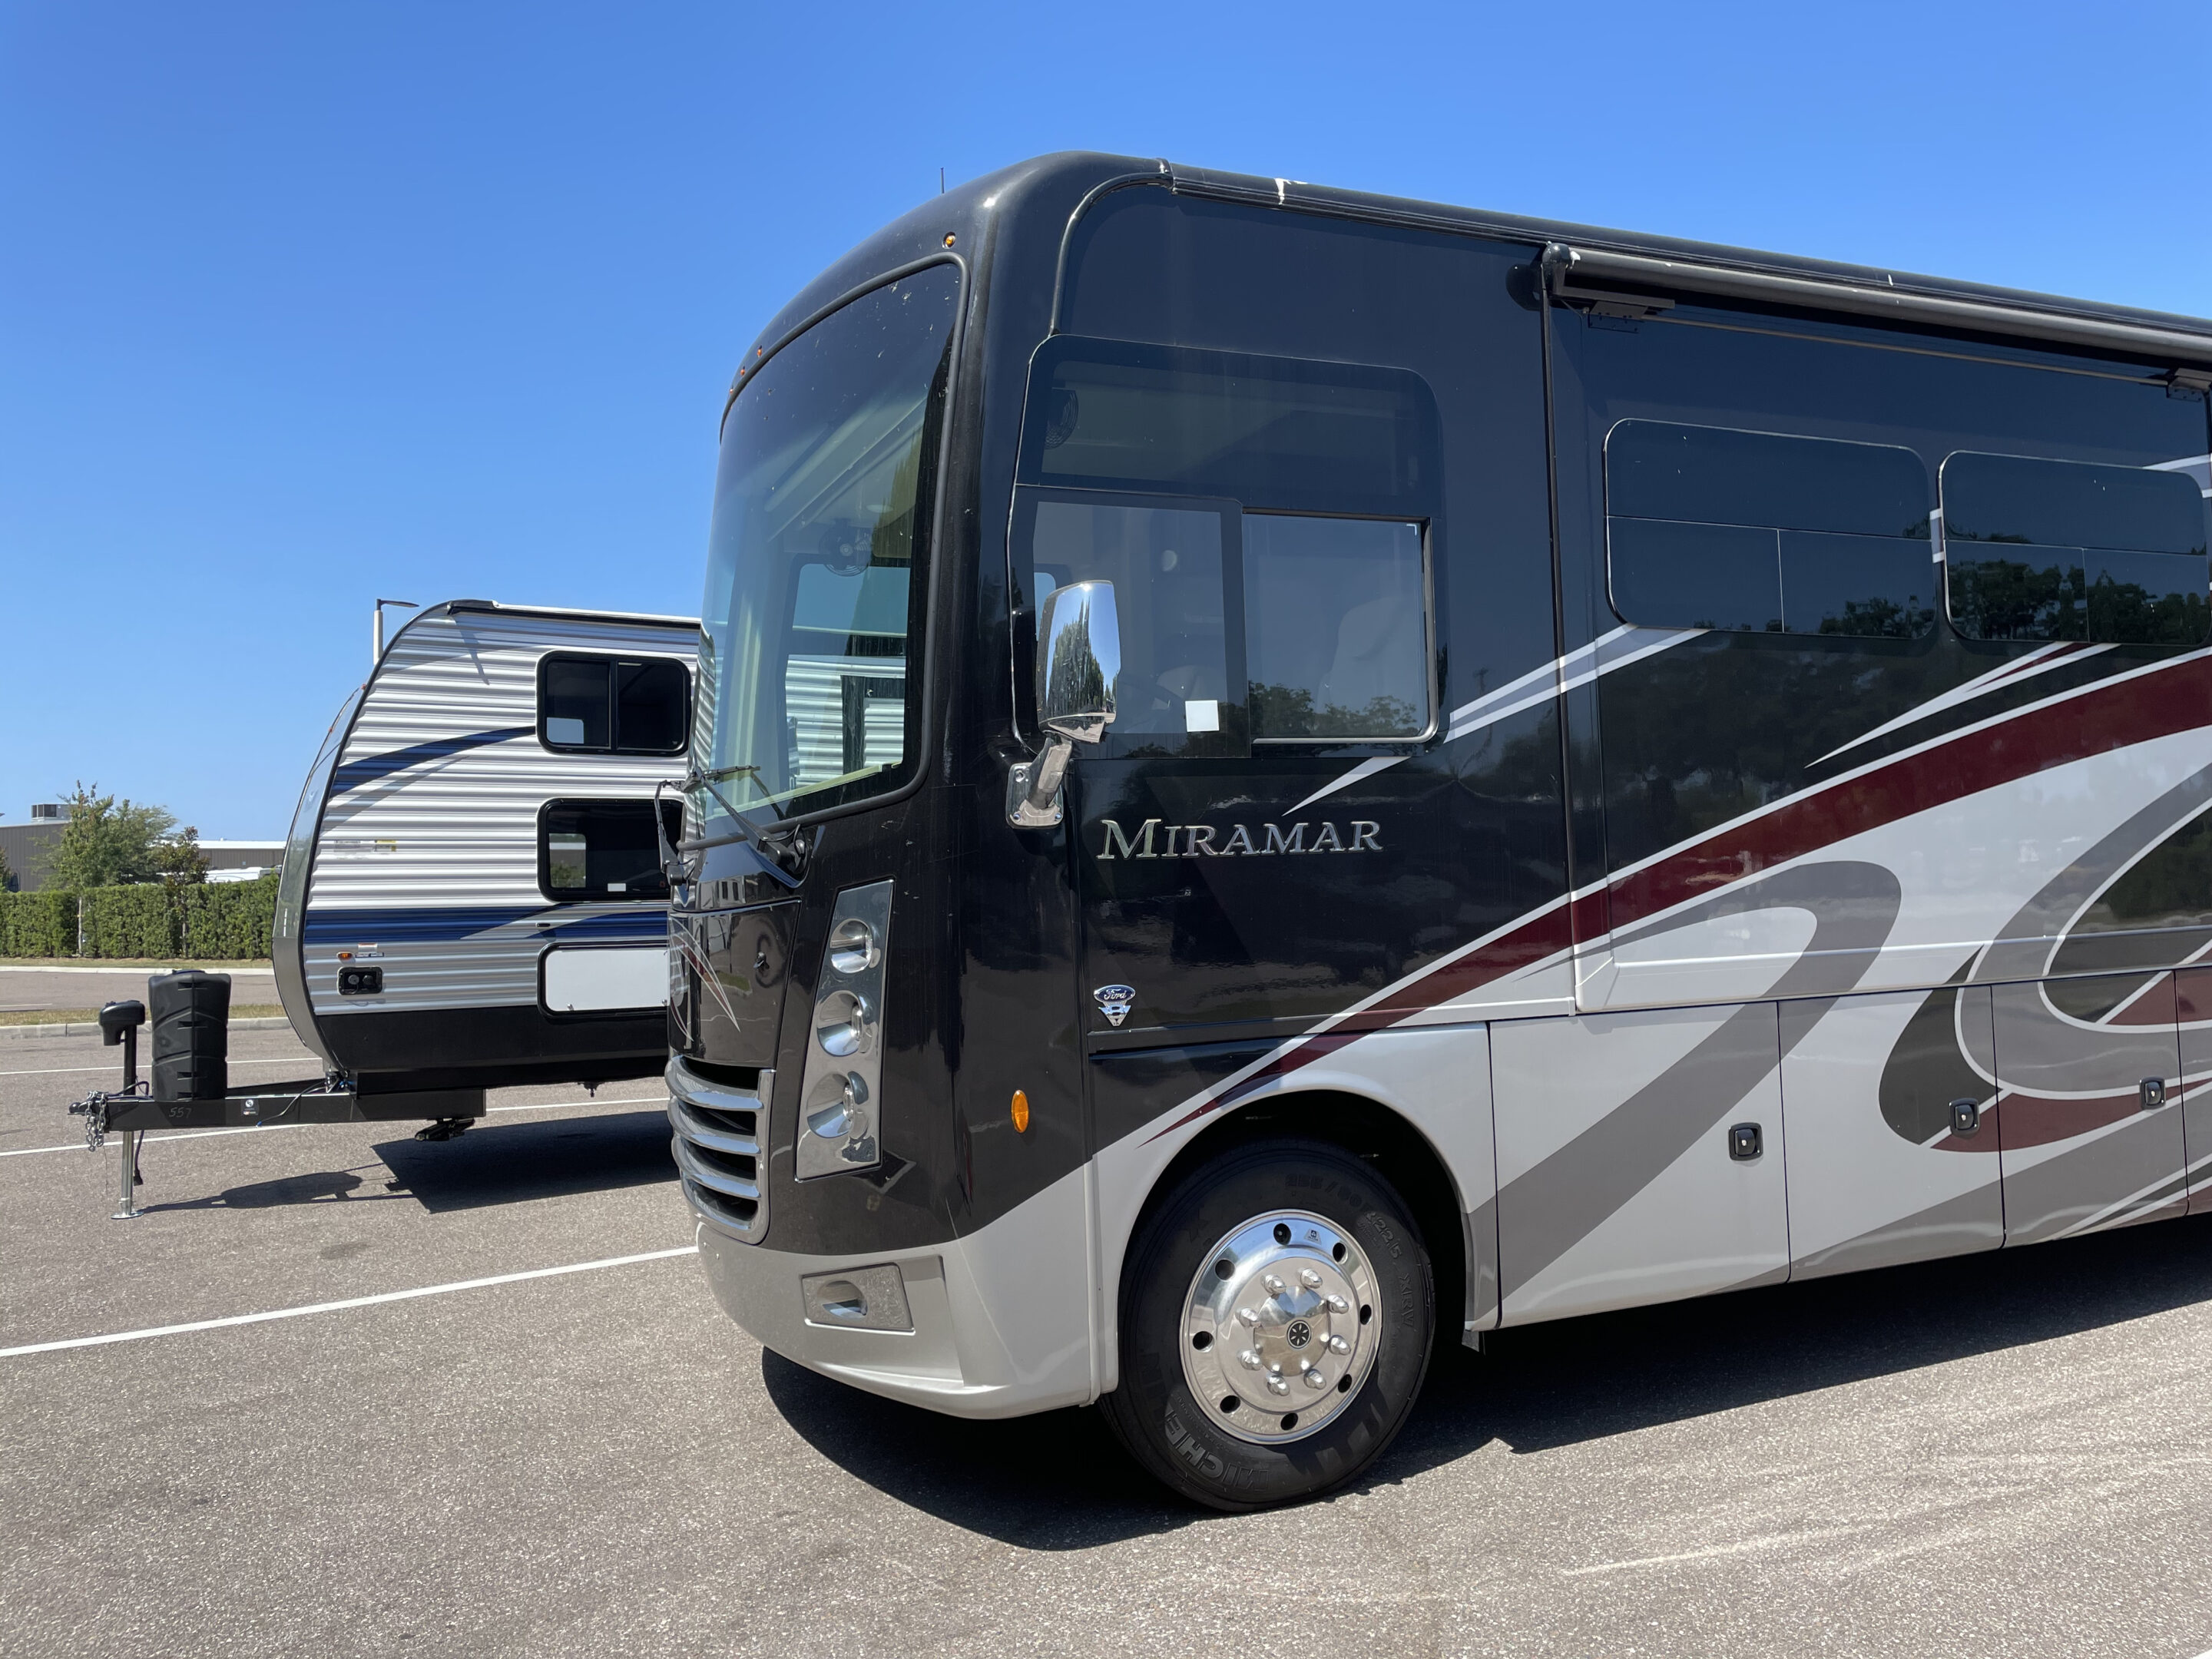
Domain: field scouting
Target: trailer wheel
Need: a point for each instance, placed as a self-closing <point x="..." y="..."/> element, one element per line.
<point x="1277" y="1315"/>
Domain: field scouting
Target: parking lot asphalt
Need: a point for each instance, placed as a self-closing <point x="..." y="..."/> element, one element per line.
<point x="2005" y="1454"/>
<point x="85" y="986"/>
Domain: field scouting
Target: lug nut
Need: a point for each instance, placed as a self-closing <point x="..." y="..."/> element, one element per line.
<point x="1276" y="1385"/>
<point x="1310" y="1279"/>
<point x="1337" y="1304"/>
<point x="1249" y="1360"/>
<point x="1315" y="1379"/>
<point x="1251" y="1318"/>
<point x="1275" y="1286"/>
<point x="1337" y="1345"/>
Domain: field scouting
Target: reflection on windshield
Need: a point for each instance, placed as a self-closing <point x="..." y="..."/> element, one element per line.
<point x="821" y="506"/>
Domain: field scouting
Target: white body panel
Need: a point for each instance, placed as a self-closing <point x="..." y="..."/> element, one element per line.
<point x="1584" y="1101"/>
<point x="1861" y="1195"/>
<point x="596" y="979"/>
<point x="426" y="859"/>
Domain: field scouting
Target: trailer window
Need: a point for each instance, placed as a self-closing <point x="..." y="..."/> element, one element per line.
<point x="613" y="705"/>
<point x="2039" y="549"/>
<point x="604" y="849"/>
<point x="1763" y="532"/>
<point x="1336" y="631"/>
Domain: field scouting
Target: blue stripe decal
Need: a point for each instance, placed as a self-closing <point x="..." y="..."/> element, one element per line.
<point x="354" y="773"/>
<point x="647" y="926"/>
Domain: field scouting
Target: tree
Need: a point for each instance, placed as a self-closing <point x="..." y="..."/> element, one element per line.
<point x="177" y="858"/>
<point x="104" y="844"/>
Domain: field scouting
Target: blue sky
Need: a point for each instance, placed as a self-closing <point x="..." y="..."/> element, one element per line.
<point x="303" y="304"/>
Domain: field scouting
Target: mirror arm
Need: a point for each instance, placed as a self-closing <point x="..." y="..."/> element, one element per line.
<point x="1033" y="800"/>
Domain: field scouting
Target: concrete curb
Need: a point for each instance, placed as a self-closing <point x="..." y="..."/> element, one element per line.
<point x="91" y="1028"/>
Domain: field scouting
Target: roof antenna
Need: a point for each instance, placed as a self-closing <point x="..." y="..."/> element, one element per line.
<point x="376" y="632"/>
<point x="941" y="181"/>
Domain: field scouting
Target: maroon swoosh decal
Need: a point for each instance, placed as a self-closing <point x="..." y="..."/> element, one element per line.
<point x="2097" y="722"/>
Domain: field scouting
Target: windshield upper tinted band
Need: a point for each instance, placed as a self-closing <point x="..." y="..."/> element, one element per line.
<point x="817" y="563"/>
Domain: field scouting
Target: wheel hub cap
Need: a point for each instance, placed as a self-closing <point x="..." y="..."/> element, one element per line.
<point x="1281" y="1327"/>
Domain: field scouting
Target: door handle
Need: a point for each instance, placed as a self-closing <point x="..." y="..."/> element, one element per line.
<point x="1965" y="1116"/>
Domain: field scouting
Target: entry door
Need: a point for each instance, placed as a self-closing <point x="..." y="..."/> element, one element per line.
<point x="1621" y="1177"/>
<point x="2087" y="1068"/>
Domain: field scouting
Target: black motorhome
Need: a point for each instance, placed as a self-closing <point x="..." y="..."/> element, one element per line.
<point x="1281" y="772"/>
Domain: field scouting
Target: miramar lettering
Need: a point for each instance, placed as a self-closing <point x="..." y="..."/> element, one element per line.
<point x="1156" y="839"/>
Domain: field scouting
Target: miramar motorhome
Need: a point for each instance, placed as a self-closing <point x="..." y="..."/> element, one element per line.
<point x="1395" y="770"/>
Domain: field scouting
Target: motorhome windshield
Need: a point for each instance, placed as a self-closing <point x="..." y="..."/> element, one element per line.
<point x="817" y="565"/>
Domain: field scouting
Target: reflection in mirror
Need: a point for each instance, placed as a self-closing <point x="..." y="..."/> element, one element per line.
<point x="1079" y="657"/>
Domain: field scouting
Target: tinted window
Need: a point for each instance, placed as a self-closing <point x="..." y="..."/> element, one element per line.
<point x="602" y="849"/>
<point x="1760" y="533"/>
<point x="1268" y="432"/>
<point x="1169" y="563"/>
<point x="2040" y="550"/>
<point x="1335" y="626"/>
<point x="652" y="707"/>
<point x="815" y="576"/>
<point x="573" y="709"/>
<point x="614" y="705"/>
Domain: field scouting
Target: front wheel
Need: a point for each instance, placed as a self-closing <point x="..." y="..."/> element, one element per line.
<point x="1277" y="1315"/>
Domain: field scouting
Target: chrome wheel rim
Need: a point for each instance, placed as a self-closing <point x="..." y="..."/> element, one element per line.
<point x="1281" y="1327"/>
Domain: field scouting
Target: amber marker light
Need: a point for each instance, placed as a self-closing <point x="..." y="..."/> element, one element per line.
<point x="1021" y="1113"/>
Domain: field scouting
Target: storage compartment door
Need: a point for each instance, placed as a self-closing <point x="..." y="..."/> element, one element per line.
<point x="579" y="979"/>
<point x="2080" y="1063"/>
<point x="1883" y="1167"/>
<point x="1621" y="1179"/>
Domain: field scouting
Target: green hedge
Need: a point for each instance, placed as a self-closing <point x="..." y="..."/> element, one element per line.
<point x="37" y="924"/>
<point x="139" y="920"/>
<point x="228" y="921"/>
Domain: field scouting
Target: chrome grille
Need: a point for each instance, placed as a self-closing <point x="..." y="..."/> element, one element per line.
<point x="719" y="1130"/>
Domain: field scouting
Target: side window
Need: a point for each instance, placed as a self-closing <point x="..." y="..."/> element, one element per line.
<point x="1762" y="533"/>
<point x="2040" y="550"/>
<point x="1269" y="524"/>
<point x="1169" y="564"/>
<point x="1336" y="628"/>
<point x="613" y="705"/>
<point x="603" y="849"/>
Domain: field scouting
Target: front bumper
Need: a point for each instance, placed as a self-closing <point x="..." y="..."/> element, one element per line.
<point x="1001" y="1321"/>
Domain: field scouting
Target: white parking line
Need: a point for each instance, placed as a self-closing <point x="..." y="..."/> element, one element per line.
<point x="155" y="1138"/>
<point x="350" y="1301"/>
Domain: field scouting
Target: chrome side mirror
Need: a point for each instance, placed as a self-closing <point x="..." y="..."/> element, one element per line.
<point x="1078" y="656"/>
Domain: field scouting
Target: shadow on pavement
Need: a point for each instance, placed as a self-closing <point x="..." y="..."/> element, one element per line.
<point x="512" y="1163"/>
<point x="323" y="1187"/>
<point x="1056" y="1481"/>
<point x="1060" y="1481"/>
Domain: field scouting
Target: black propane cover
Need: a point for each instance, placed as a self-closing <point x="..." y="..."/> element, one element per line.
<point x="191" y="1034"/>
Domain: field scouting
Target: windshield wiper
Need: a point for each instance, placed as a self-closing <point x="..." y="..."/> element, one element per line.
<point x="774" y="854"/>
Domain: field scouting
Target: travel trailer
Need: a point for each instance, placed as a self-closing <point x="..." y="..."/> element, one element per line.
<point x="472" y="893"/>
<point x="1394" y="772"/>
